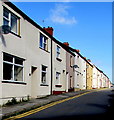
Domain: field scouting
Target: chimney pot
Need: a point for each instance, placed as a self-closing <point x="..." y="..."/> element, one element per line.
<point x="66" y="43"/>
<point x="49" y="30"/>
<point x="89" y="60"/>
<point x="77" y="50"/>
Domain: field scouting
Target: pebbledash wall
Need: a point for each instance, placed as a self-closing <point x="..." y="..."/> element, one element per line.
<point x="33" y="63"/>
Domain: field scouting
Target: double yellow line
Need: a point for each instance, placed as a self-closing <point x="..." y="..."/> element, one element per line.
<point x="43" y="107"/>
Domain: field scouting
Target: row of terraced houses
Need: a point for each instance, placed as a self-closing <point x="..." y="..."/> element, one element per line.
<point x="33" y="63"/>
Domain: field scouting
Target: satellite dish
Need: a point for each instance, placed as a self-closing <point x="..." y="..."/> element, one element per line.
<point x="6" y="29"/>
<point x="75" y="66"/>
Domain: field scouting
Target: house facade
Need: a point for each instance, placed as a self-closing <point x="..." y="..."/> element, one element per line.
<point x="59" y="68"/>
<point x="89" y="75"/>
<point x="95" y="78"/>
<point x="23" y="52"/>
<point x="79" y="70"/>
<point x="83" y="73"/>
<point x="69" y="68"/>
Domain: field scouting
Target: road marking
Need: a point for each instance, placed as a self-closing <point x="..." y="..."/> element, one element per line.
<point x="44" y="107"/>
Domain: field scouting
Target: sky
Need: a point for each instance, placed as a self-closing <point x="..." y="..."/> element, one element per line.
<point x="85" y="25"/>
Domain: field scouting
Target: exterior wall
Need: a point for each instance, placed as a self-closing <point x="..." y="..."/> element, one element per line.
<point x="89" y="76"/>
<point x="79" y="73"/>
<point x="99" y="74"/>
<point x="26" y="46"/>
<point x="70" y="71"/>
<point x="59" y="65"/>
<point x="101" y="80"/>
<point x="95" y="81"/>
<point x="107" y="82"/>
<point x="104" y="81"/>
<point x="83" y="73"/>
<point x="76" y="72"/>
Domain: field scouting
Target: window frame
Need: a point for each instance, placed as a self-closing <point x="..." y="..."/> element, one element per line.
<point x="42" y="71"/>
<point x="13" y="67"/>
<point x="58" y="52"/>
<point x="44" y="42"/>
<point x="58" y="80"/>
<point x="9" y="19"/>
<point x="71" y="61"/>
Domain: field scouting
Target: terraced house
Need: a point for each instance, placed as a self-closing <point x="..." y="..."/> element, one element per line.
<point x="33" y="63"/>
<point x="23" y="52"/>
<point x="89" y="74"/>
<point x="79" y="71"/>
<point x="69" y="68"/>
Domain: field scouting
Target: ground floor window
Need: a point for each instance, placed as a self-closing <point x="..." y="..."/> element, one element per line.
<point x="12" y="68"/>
<point x="57" y="78"/>
<point x="43" y="74"/>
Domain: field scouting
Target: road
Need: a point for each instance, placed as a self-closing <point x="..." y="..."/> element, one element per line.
<point x="89" y="106"/>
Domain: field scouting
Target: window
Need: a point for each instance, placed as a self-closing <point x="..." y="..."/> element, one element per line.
<point x="58" y="52"/>
<point x="57" y="78"/>
<point x="71" y="82"/>
<point x="44" y="72"/>
<point x="12" y="68"/>
<point x="71" y="62"/>
<point x="11" y="20"/>
<point x="43" y="42"/>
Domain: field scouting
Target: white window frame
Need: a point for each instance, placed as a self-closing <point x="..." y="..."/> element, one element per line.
<point x="44" y="83"/>
<point x="58" y="51"/>
<point x="58" y="76"/>
<point x="44" y="45"/>
<point x="14" y="64"/>
<point x="71" y="61"/>
<point x="9" y="20"/>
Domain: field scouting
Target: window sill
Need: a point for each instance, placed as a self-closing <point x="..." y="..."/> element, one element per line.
<point x="44" y="50"/>
<point x="15" y="34"/>
<point x="14" y="82"/>
<point x="44" y="85"/>
<point x="59" y="59"/>
<point x="58" y="85"/>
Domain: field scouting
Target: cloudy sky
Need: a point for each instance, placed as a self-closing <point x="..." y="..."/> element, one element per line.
<point x="85" y="25"/>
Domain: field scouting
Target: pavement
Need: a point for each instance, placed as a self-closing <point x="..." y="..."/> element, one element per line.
<point x="11" y="110"/>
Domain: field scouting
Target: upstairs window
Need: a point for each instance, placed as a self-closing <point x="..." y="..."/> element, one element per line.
<point x="43" y="42"/>
<point x="71" y="61"/>
<point x="12" y="68"/>
<point x="11" y="20"/>
<point x="58" y="52"/>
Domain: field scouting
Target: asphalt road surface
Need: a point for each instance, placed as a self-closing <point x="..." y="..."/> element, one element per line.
<point x="91" y="106"/>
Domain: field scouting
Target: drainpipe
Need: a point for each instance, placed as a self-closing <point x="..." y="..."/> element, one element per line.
<point x="51" y="70"/>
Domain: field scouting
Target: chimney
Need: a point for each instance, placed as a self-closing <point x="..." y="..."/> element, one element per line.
<point x="84" y="57"/>
<point x="89" y="60"/>
<point x="66" y="43"/>
<point x="49" y="30"/>
<point x="77" y="50"/>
